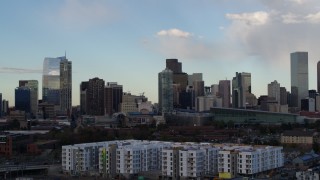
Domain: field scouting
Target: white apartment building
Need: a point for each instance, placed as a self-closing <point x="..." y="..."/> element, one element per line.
<point x="248" y="160"/>
<point x="169" y="159"/>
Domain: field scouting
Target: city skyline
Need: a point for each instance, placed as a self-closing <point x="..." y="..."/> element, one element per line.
<point x="128" y="43"/>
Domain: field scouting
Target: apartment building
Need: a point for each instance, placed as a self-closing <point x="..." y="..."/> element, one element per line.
<point x="170" y="160"/>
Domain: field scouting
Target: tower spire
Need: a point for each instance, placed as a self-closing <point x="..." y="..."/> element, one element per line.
<point x="65" y="53"/>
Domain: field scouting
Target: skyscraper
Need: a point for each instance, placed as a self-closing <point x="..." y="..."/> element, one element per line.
<point x="83" y="97"/>
<point x="51" y="80"/>
<point x="165" y="91"/>
<point x="274" y="90"/>
<point x="318" y="76"/>
<point x="283" y="96"/>
<point x="299" y="77"/>
<point x="113" y="97"/>
<point x="95" y="97"/>
<point x="34" y="86"/>
<point x="23" y="99"/>
<point x="224" y="92"/>
<point x="174" y="65"/>
<point x="241" y="89"/>
<point x="65" y="86"/>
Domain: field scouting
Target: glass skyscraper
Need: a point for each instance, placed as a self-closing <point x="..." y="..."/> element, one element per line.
<point x="51" y="80"/>
<point x="165" y="91"/>
<point x="299" y="77"/>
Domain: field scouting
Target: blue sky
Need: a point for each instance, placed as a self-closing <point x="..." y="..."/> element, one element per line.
<point x="128" y="41"/>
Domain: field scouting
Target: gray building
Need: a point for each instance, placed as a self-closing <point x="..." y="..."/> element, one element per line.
<point x="299" y="77"/>
<point x="65" y="86"/>
<point x="224" y="92"/>
<point x="241" y="88"/>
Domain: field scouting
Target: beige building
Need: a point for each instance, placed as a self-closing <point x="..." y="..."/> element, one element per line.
<point x="297" y="137"/>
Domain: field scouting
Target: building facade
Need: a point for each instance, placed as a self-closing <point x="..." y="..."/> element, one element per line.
<point x="23" y="99"/>
<point x="66" y="86"/>
<point x="274" y="91"/>
<point x="170" y="160"/>
<point x="225" y="92"/>
<point x="241" y="89"/>
<point x="299" y="77"/>
<point x="34" y="97"/>
<point x="95" y="97"/>
<point x="165" y="80"/>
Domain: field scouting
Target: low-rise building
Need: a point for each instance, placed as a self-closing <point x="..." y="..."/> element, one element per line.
<point x="297" y="137"/>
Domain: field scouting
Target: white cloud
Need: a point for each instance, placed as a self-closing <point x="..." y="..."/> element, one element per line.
<point x="291" y="18"/>
<point x="313" y="18"/>
<point x="174" y="33"/>
<point x="255" y="18"/>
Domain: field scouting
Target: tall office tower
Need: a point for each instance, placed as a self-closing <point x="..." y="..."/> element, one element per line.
<point x="34" y="98"/>
<point x="181" y="79"/>
<point x="23" y="99"/>
<point x="283" y="96"/>
<point x="83" y="97"/>
<point x="95" y="97"/>
<point x="113" y="97"/>
<point x="65" y="86"/>
<point x="51" y="80"/>
<point x="1" y="111"/>
<point x="215" y="89"/>
<point x="194" y="77"/>
<point x="174" y="65"/>
<point x="5" y="107"/>
<point x="225" y="92"/>
<point x="318" y="76"/>
<point x="241" y="88"/>
<point x="176" y="95"/>
<point x="299" y="77"/>
<point x="165" y="80"/>
<point x="274" y="90"/>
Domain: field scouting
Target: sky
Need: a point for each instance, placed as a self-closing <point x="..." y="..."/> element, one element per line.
<point x="128" y="41"/>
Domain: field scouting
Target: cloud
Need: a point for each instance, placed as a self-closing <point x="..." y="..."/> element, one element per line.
<point x="19" y="70"/>
<point x="255" y="18"/>
<point x="174" y="33"/>
<point x="282" y="28"/>
<point x="313" y="18"/>
<point x="177" y="43"/>
<point x="81" y="13"/>
<point x="291" y="18"/>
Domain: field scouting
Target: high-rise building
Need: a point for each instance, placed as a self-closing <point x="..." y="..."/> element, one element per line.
<point x="113" y="97"/>
<point x="5" y="107"/>
<point x="34" y="98"/>
<point x="174" y="65"/>
<point x="95" y="97"/>
<point x="165" y="80"/>
<point x="65" y="86"/>
<point x="215" y="89"/>
<point x="283" y="96"/>
<point x="224" y="92"/>
<point x="274" y="90"/>
<point x="194" y="77"/>
<point x="241" y="88"/>
<point x="51" y="80"/>
<point x="83" y="97"/>
<point x="318" y="76"/>
<point x="299" y="77"/>
<point x="23" y="99"/>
